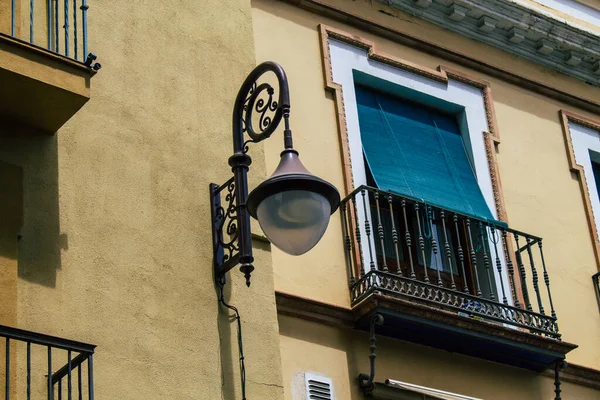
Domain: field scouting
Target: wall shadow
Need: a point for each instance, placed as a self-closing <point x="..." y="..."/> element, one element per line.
<point x="39" y="238"/>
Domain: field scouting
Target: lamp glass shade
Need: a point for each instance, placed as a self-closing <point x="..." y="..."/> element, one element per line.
<point x="294" y="220"/>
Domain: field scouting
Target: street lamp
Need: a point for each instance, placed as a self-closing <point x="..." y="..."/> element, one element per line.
<point x="292" y="206"/>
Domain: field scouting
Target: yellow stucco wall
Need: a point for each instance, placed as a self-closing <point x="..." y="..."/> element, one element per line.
<point x="542" y="196"/>
<point x="116" y="247"/>
<point x="342" y="354"/>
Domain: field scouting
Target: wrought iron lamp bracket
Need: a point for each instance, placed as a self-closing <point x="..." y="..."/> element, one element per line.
<point x="256" y="114"/>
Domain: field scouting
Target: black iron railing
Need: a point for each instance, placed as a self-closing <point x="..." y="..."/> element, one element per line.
<point x="37" y="363"/>
<point x="478" y="268"/>
<point x="59" y="25"/>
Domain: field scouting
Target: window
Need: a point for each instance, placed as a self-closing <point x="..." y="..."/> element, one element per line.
<point x="419" y="153"/>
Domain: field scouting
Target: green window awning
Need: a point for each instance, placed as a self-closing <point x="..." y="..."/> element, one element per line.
<point x="418" y="152"/>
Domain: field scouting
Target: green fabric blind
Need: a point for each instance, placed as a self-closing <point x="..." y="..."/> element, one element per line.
<point x="418" y="152"/>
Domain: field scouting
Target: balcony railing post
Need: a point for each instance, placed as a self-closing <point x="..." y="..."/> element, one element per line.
<point x="368" y="230"/>
<point x="421" y="242"/>
<point x="28" y="370"/>
<point x="522" y="273"/>
<point x="84" y="9"/>
<point x="380" y="232"/>
<point x="495" y="240"/>
<point x="434" y="245"/>
<point x="546" y="279"/>
<point x="447" y="250"/>
<point x="394" y="235"/>
<point x="56" y="30"/>
<point x="358" y="238"/>
<point x="473" y="257"/>
<point x="90" y="378"/>
<point x="49" y="22"/>
<point x="31" y="12"/>
<point x="534" y="275"/>
<point x="511" y="270"/>
<point x="7" y="371"/>
<point x="486" y="260"/>
<point x="408" y="242"/>
<point x="347" y="244"/>
<point x="13" y="20"/>
<point x="50" y="387"/>
<point x="461" y="255"/>
<point x="66" y="27"/>
<point x="75" y="33"/>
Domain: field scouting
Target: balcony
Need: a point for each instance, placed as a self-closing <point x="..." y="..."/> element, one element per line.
<point x="449" y="280"/>
<point x="45" y="68"/>
<point x="42" y="366"/>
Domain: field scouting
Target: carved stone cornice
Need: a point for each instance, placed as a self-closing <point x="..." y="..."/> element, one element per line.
<point x="517" y="29"/>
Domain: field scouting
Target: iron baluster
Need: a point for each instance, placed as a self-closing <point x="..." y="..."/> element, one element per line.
<point x="498" y="263"/>
<point x="473" y="257"/>
<point x="408" y="241"/>
<point x="380" y="232"/>
<point x="84" y="8"/>
<point x="79" y="383"/>
<point x="60" y="389"/>
<point x="358" y="239"/>
<point x="347" y="243"/>
<point x="49" y="22"/>
<point x="534" y="275"/>
<point x="28" y="370"/>
<point x="66" y="26"/>
<point x="13" y="18"/>
<point x="368" y="230"/>
<point x="7" y="370"/>
<point x="31" y="21"/>
<point x="75" y="29"/>
<point x="90" y="378"/>
<point x="434" y="246"/>
<point x="56" y="30"/>
<point x="69" y="378"/>
<point x="461" y="255"/>
<point x="546" y="279"/>
<point x="421" y="242"/>
<point x="486" y="260"/>
<point x="394" y="235"/>
<point x="447" y="250"/>
<point x="50" y="387"/>
<point x="522" y="274"/>
<point x="511" y="270"/>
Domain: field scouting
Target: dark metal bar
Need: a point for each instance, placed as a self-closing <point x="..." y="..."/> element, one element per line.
<point x="28" y="371"/>
<point x="90" y="378"/>
<point x="535" y="277"/>
<point x="380" y="231"/>
<point x="13" y="18"/>
<point x="522" y="274"/>
<point x="347" y="244"/>
<point x="473" y="257"/>
<point x="408" y="241"/>
<point x="45" y="340"/>
<point x="84" y="9"/>
<point x="69" y="379"/>
<point x="368" y="230"/>
<point x="546" y="279"/>
<point x="421" y="242"/>
<point x="461" y="255"/>
<point x="486" y="260"/>
<point x="66" y="27"/>
<point x="50" y="386"/>
<point x="495" y="239"/>
<point x="63" y="371"/>
<point x="31" y="6"/>
<point x="447" y="250"/>
<point x="511" y="270"/>
<point x="56" y="31"/>
<point x="557" y="380"/>
<point x="434" y="246"/>
<point x="7" y="371"/>
<point x="49" y="22"/>
<point x="394" y="235"/>
<point x="60" y="390"/>
<point x="358" y="238"/>
<point x="75" y="33"/>
<point x="79" y="383"/>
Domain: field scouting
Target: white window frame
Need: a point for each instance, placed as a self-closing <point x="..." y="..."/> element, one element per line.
<point x="346" y="59"/>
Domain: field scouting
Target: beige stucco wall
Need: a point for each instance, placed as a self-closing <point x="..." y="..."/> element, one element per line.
<point x="116" y="247"/>
<point x="542" y="196"/>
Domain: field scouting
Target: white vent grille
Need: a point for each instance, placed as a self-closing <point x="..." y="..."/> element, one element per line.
<point x="318" y="387"/>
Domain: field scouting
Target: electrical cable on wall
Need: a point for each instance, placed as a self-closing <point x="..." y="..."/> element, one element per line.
<point x="239" y="335"/>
